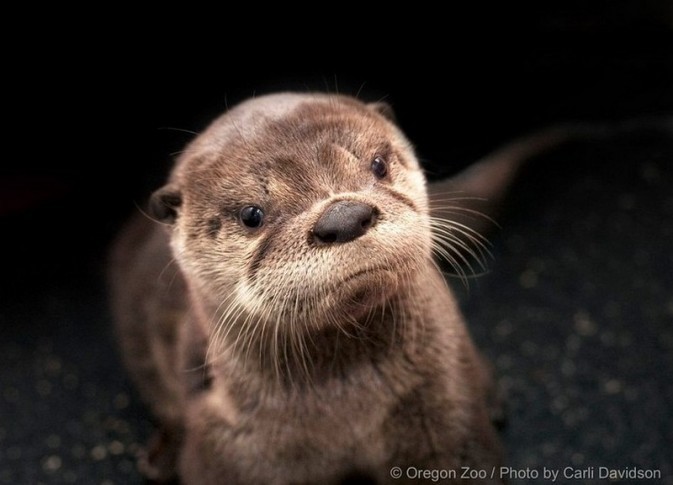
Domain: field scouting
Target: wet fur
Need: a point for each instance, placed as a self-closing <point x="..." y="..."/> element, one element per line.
<point x="269" y="359"/>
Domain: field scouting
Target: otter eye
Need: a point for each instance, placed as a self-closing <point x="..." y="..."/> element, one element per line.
<point x="379" y="167"/>
<point x="252" y="216"/>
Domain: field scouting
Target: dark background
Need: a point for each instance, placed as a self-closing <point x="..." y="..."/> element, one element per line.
<point x="576" y="310"/>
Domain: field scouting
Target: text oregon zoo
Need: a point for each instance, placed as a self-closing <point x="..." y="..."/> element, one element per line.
<point x="549" y="474"/>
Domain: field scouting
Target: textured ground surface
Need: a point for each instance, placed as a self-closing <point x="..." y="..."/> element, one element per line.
<point x="576" y="312"/>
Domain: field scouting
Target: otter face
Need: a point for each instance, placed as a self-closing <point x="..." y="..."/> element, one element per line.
<point x="298" y="209"/>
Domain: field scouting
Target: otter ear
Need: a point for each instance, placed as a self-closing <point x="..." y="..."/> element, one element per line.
<point x="164" y="204"/>
<point x="384" y="109"/>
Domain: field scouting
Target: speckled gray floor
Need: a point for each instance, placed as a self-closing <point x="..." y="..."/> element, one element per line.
<point x="576" y="312"/>
<point x="68" y="413"/>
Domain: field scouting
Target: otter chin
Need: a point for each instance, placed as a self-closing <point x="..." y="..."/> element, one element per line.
<point x="282" y="314"/>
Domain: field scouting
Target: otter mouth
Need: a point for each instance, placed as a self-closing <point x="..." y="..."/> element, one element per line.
<point x="362" y="290"/>
<point x="352" y="296"/>
<point x="364" y="273"/>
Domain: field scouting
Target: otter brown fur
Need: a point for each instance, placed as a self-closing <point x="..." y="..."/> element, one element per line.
<point x="285" y="321"/>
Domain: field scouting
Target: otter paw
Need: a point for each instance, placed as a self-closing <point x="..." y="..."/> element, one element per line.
<point x="157" y="461"/>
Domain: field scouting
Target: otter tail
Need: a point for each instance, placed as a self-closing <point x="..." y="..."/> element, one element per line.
<point x="473" y="197"/>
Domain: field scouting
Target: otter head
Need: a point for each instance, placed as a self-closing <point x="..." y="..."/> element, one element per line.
<point x="298" y="210"/>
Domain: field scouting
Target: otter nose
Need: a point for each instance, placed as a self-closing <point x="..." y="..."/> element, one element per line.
<point x="344" y="221"/>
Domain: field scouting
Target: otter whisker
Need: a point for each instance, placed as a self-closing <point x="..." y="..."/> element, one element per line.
<point x="223" y="322"/>
<point x="444" y="245"/>
<point x="450" y="239"/>
<point x="467" y="231"/>
<point x="453" y="262"/>
<point x="454" y="242"/>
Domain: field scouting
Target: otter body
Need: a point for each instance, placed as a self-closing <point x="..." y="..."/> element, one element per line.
<point x="285" y="321"/>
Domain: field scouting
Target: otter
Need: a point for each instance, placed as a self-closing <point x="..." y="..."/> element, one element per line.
<point x="282" y="314"/>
